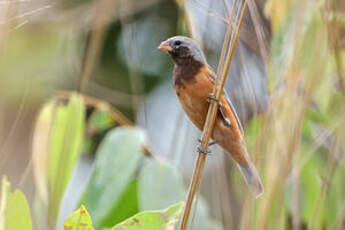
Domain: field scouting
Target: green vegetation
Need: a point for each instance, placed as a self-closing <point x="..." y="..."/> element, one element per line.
<point x="298" y="145"/>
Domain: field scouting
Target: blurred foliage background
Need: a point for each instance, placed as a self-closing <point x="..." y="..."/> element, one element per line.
<point x="88" y="117"/>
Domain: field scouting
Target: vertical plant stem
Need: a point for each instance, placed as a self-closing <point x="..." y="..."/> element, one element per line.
<point x="98" y="31"/>
<point x="210" y="119"/>
<point x="199" y="166"/>
<point x="333" y="33"/>
<point x="296" y="194"/>
<point x="7" y="11"/>
<point x="227" y="37"/>
<point x="5" y="186"/>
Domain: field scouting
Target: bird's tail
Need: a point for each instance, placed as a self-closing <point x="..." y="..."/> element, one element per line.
<point x="247" y="168"/>
<point x="252" y="179"/>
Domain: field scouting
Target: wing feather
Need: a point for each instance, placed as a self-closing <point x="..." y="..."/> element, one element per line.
<point x="211" y="76"/>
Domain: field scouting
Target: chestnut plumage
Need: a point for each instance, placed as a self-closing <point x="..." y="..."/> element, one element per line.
<point x="193" y="81"/>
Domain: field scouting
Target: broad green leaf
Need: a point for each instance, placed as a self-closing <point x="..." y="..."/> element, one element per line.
<point x="117" y="159"/>
<point x="153" y="220"/>
<point x="160" y="185"/>
<point x="65" y="142"/>
<point x="125" y="208"/>
<point x="101" y="119"/>
<point x="14" y="209"/>
<point x="99" y="122"/>
<point x="79" y="220"/>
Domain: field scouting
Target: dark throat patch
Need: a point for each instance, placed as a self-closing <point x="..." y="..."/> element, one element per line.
<point x="185" y="72"/>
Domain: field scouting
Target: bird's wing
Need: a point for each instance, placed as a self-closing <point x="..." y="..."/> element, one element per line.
<point x="227" y="98"/>
<point x="211" y="76"/>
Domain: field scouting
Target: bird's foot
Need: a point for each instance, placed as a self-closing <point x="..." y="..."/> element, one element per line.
<point x="212" y="97"/>
<point x="210" y="143"/>
<point x="204" y="151"/>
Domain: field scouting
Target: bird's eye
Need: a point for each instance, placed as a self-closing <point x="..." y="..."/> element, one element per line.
<point x="177" y="43"/>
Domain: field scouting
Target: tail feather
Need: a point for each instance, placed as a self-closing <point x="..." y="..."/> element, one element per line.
<point x="239" y="153"/>
<point x="252" y="179"/>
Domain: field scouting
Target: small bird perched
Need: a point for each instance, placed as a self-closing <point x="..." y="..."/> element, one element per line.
<point x="193" y="81"/>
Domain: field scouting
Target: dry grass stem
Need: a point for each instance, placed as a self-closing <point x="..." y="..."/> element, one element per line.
<point x="98" y="31"/>
<point x="211" y="115"/>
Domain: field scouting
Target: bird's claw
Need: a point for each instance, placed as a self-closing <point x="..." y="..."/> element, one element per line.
<point x="209" y="144"/>
<point x="204" y="151"/>
<point x="212" y="97"/>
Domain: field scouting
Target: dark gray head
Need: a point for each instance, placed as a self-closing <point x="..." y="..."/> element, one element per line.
<point x="183" y="50"/>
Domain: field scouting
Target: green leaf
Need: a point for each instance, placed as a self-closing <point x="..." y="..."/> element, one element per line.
<point x="101" y="120"/>
<point x="153" y="220"/>
<point x="14" y="209"/>
<point x="79" y="220"/>
<point x="160" y="185"/>
<point x="278" y="11"/>
<point x="311" y="188"/>
<point x="336" y="198"/>
<point x="117" y="160"/>
<point x="65" y="142"/>
<point x="125" y="208"/>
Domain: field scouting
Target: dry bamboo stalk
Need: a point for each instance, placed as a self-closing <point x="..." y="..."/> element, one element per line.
<point x="211" y="116"/>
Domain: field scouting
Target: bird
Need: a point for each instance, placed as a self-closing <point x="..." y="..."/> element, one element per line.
<point x="194" y="80"/>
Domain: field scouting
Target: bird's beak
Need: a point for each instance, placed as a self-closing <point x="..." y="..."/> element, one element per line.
<point x="164" y="46"/>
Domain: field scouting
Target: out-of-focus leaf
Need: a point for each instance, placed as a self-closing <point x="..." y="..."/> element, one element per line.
<point x="79" y="220"/>
<point x="153" y="220"/>
<point x="160" y="185"/>
<point x="34" y="59"/>
<point x="40" y="145"/>
<point x="101" y="120"/>
<point x="281" y="50"/>
<point x="14" y="209"/>
<point x="125" y="208"/>
<point x="336" y="198"/>
<point x="117" y="159"/>
<point x="311" y="188"/>
<point x="65" y="144"/>
<point x="277" y="11"/>
<point x="316" y="116"/>
<point x="340" y="17"/>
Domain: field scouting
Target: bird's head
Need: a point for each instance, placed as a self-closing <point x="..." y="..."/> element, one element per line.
<point x="183" y="50"/>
